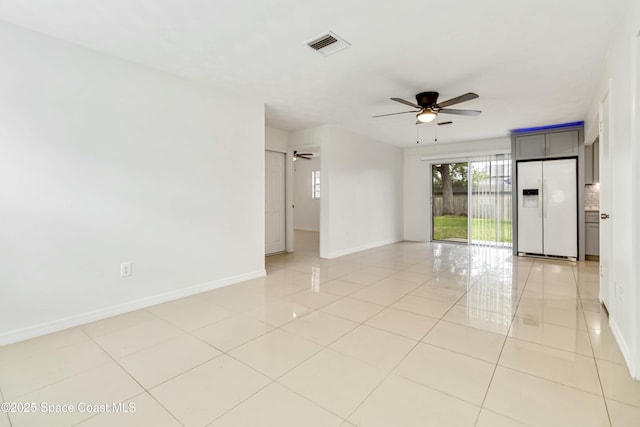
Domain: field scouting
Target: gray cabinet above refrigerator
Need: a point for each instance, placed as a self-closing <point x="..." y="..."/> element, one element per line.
<point x="547" y="145"/>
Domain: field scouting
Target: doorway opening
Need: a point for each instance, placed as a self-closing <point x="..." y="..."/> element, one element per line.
<point x="307" y="196"/>
<point x="471" y="201"/>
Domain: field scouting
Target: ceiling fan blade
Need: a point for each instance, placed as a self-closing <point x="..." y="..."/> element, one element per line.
<point x="402" y="101"/>
<point x="459" y="112"/>
<point x="458" y="99"/>
<point x="393" y="114"/>
<point x="418" y="122"/>
<point x="306" y="156"/>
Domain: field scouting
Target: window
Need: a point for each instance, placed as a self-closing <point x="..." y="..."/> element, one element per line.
<point x="315" y="184"/>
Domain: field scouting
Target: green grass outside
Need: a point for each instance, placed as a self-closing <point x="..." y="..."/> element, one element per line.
<point x="455" y="227"/>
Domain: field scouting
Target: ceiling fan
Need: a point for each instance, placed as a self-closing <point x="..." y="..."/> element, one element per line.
<point x="306" y="156"/>
<point x="428" y="107"/>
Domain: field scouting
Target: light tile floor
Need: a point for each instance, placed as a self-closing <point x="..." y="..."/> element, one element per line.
<point x="410" y="334"/>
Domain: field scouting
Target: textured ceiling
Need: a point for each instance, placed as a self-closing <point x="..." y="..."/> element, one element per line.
<point x="532" y="62"/>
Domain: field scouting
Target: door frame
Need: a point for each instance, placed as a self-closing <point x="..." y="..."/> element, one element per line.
<point x="289" y="192"/>
<point x="284" y="198"/>
<point x="635" y="161"/>
<point x="606" y="295"/>
<point x="453" y="158"/>
<point x="468" y="158"/>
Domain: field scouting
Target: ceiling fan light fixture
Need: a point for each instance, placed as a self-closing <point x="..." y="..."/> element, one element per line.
<point x="426" y="116"/>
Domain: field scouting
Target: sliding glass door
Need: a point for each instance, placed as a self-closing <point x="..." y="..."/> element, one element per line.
<point x="471" y="201"/>
<point x="450" y="196"/>
<point x="490" y="201"/>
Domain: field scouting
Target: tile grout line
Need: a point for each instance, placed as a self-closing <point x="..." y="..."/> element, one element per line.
<point x="90" y="338"/>
<point x="552" y="381"/>
<point x="383" y="379"/>
<point x="275" y="380"/>
<point x="36" y="353"/>
<point x="495" y="368"/>
<point x="595" y="361"/>
<point x="7" y="413"/>
<point x="327" y="347"/>
<point x="512" y="317"/>
<point x="324" y="347"/>
<point x="392" y="370"/>
<point x="546" y="379"/>
<point x="417" y="343"/>
<point x="560" y="350"/>
<point x="67" y="377"/>
<point x="275" y="327"/>
<point x="145" y="390"/>
<point x="228" y="354"/>
<point x="359" y="324"/>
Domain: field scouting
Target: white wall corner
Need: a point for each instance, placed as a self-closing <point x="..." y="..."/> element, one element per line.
<point x="625" y="349"/>
<point x="348" y="251"/>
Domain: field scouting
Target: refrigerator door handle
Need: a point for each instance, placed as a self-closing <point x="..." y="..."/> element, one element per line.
<point x="541" y="200"/>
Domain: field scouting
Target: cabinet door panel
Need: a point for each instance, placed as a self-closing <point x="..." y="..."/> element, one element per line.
<point x="530" y="147"/>
<point x="562" y="144"/>
<point x="592" y="216"/>
<point x="592" y="239"/>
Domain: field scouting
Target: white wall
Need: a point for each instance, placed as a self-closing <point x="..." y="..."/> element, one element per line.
<point x="104" y="161"/>
<point x="276" y="139"/>
<point x="362" y="193"/>
<point x="621" y="72"/>
<point x="309" y="137"/>
<point x="307" y="210"/>
<point x="362" y="201"/>
<point x="417" y="179"/>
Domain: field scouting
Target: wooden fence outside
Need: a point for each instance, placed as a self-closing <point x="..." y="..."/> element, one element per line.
<point x="489" y="205"/>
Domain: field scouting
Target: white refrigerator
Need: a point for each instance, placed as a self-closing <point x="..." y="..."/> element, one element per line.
<point x="548" y="207"/>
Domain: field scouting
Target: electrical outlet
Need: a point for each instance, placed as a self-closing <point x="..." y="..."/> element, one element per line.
<point x="125" y="269"/>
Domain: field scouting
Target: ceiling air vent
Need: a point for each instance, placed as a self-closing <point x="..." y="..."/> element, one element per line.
<point x="327" y="44"/>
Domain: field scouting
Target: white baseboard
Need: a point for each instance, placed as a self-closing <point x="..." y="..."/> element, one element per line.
<point x="306" y="229"/>
<point x="44" y="328"/>
<point x="624" y="348"/>
<point x="348" y="251"/>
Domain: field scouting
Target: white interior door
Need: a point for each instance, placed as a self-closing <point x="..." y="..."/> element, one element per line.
<point x="605" y="204"/>
<point x="530" y="193"/>
<point x="274" y="202"/>
<point x="560" y="207"/>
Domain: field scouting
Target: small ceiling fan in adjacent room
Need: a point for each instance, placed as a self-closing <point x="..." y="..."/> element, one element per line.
<point x="306" y="156"/>
<point x="427" y="107"/>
